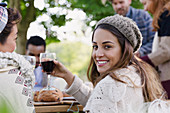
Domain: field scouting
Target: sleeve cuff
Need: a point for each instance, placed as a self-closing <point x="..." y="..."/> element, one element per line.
<point x="74" y="88"/>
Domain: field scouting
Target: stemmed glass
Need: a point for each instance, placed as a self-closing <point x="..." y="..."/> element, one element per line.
<point x="49" y="65"/>
<point x="31" y="59"/>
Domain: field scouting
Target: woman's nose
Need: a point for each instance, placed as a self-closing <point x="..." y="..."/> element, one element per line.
<point x="99" y="53"/>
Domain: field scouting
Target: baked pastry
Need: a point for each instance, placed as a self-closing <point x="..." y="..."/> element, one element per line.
<point x="36" y="93"/>
<point x="52" y="95"/>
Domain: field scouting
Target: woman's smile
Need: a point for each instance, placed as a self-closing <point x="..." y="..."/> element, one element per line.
<point x="101" y="63"/>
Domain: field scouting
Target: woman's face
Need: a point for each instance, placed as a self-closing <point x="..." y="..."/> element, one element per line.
<point x="148" y="5"/>
<point x="10" y="44"/>
<point x="106" y="50"/>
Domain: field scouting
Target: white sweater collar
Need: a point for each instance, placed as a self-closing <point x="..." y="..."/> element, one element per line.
<point x="14" y="59"/>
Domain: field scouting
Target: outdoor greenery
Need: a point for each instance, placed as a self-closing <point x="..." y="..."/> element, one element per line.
<point x="3" y="107"/>
<point x="94" y="9"/>
<point x="74" y="55"/>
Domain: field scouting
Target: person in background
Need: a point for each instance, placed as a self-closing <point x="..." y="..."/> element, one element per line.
<point x="143" y="21"/>
<point x="160" y="55"/>
<point x="14" y="69"/>
<point x="34" y="46"/>
<point x="122" y="82"/>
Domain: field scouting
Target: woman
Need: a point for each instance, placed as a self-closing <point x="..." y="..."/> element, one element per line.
<point x="122" y="82"/>
<point x="160" y="55"/>
<point x="14" y="69"/>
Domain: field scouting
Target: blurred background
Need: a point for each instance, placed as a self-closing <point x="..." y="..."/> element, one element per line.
<point x="66" y="25"/>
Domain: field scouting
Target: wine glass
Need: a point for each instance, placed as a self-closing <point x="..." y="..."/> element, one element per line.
<point x="49" y="65"/>
<point x="32" y="61"/>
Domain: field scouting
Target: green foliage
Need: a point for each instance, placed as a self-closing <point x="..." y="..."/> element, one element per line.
<point x="3" y="107"/>
<point x="137" y="4"/>
<point x="50" y="40"/>
<point x="58" y="20"/>
<point x="51" y="2"/>
<point x="95" y="10"/>
<point x="23" y="8"/>
<point x="74" y="55"/>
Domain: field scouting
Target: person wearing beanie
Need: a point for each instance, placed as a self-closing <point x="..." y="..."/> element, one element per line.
<point x="160" y="56"/>
<point x="142" y="19"/>
<point x="122" y="82"/>
<point x="14" y="68"/>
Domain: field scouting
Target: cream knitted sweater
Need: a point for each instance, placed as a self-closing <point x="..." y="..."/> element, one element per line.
<point x="15" y="75"/>
<point x="111" y="96"/>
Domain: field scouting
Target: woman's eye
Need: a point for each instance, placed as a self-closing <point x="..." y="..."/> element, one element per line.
<point x="95" y="46"/>
<point x="107" y="46"/>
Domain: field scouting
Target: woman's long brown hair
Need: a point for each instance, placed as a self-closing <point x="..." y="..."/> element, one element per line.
<point x="159" y="7"/>
<point x="152" y="88"/>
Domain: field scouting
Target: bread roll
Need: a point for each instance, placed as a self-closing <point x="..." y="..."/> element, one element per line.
<point x="36" y="93"/>
<point x="52" y="95"/>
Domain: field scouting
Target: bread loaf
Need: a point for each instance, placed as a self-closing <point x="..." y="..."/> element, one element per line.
<point x="45" y="95"/>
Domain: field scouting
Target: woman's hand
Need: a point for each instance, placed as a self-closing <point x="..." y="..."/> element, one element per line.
<point x="61" y="71"/>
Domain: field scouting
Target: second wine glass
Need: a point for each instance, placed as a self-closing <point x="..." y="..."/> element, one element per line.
<point x="47" y="64"/>
<point x="32" y="61"/>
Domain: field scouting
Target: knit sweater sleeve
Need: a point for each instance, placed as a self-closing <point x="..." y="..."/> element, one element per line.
<point x="162" y="54"/>
<point x="80" y="91"/>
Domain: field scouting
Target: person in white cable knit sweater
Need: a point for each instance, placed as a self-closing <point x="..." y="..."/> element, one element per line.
<point x="122" y="82"/>
<point x="13" y="67"/>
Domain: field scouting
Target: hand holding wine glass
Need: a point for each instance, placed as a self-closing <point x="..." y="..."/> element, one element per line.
<point x="47" y="64"/>
<point x="61" y="71"/>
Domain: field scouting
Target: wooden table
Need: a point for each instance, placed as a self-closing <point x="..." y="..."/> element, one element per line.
<point x="55" y="107"/>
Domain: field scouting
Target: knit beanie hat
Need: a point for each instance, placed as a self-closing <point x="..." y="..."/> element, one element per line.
<point x="3" y="18"/>
<point x="127" y="27"/>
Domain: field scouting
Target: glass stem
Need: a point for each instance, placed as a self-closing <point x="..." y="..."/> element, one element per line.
<point x="49" y="80"/>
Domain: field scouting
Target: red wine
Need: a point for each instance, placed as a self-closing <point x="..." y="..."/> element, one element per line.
<point x="48" y="66"/>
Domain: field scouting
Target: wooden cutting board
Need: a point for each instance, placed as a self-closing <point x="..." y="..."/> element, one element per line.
<point x="63" y="102"/>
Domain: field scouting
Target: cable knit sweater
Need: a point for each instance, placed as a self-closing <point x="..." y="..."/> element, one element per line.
<point x="111" y="96"/>
<point x="15" y="75"/>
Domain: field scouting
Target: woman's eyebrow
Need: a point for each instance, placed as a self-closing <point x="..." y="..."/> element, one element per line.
<point x="108" y="42"/>
<point x="94" y="42"/>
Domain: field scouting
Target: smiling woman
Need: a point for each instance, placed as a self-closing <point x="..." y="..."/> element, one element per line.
<point x="104" y="45"/>
<point x="122" y="82"/>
